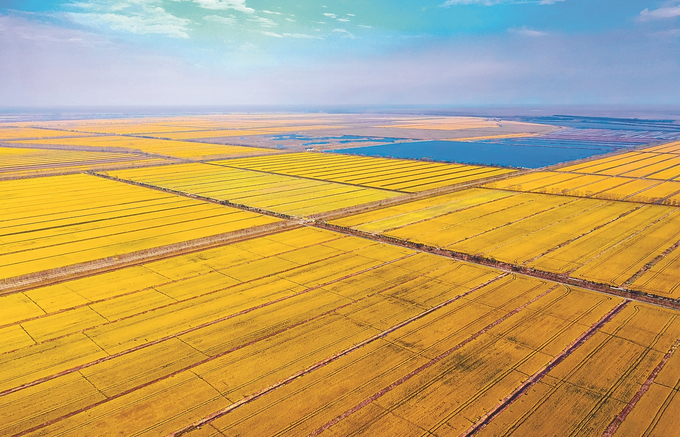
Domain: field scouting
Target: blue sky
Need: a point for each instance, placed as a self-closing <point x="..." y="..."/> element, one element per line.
<point x="255" y="52"/>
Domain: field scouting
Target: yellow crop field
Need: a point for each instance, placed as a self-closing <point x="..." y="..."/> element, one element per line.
<point x="657" y="193"/>
<point x="400" y="175"/>
<point x="196" y="347"/>
<point x="59" y="221"/>
<point x="582" y="394"/>
<point x="283" y="194"/>
<point x="16" y="162"/>
<point x="141" y="292"/>
<point x="628" y="189"/>
<point x="26" y="133"/>
<point x="176" y="149"/>
<point x="599" y="165"/>
<point x="653" y="171"/>
<point x="665" y="148"/>
<point x="598" y="240"/>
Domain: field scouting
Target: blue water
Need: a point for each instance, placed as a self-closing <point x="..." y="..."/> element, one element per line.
<point x="633" y="124"/>
<point x="498" y="153"/>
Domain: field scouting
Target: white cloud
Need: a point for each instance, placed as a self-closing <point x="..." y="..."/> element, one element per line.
<point x="345" y="33"/>
<point x="221" y="5"/>
<point x="275" y="35"/>
<point x="351" y="15"/>
<point x="328" y="14"/>
<point x="230" y="20"/>
<point x="263" y="21"/>
<point x="290" y="19"/>
<point x="301" y="36"/>
<point x="365" y="26"/>
<point x="271" y="12"/>
<point x="290" y="35"/>
<point x="668" y="10"/>
<point x="344" y="20"/>
<point x="135" y="16"/>
<point x="549" y="2"/>
<point x="526" y="31"/>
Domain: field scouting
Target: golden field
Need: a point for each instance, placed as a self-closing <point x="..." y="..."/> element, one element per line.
<point x="145" y="293"/>
<point x="271" y="192"/>
<point x="601" y="241"/>
<point x="389" y="174"/>
<point x="155" y="347"/>
<point x="21" y="162"/>
<point x="56" y="221"/>
<point x="176" y="149"/>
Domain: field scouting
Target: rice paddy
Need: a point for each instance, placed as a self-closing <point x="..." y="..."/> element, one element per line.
<point x="405" y="176"/>
<point x="150" y="146"/>
<point x="170" y="287"/>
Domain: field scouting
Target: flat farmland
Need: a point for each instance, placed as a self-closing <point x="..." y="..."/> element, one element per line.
<point x="594" y="186"/>
<point x="390" y="174"/>
<point x="22" y="162"/>
<point x="282" y="194"/>
<point x="58" y="221"/>
<point x="168" y="287"/>
<point x="176" y="149"/>
<point x="309" y="332"/>
<point x="600" y="241"/>
<point x="8" y="133"/>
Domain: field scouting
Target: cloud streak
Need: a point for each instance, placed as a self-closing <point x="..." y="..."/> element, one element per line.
<point x="223" y="5"/>
<point x="143" y="17"/>
<point x="669" y="10"/>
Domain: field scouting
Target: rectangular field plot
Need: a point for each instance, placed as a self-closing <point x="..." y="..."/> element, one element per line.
<point x="283" y="194"/>
<point x="58" y="221"/>
<point x="598" y="240"/>
<point x="20" y="162"/>
<point x="595" y="186"/>
<point x="391" y="174"/>
<point x="305" y="331"/>
<point x="27" y="133"/>
<point x="176" y="149"/>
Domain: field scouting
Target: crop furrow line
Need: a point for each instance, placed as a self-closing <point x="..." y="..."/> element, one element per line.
<point x="326" y="361"/>
<point x="538" y="376"/>
<point x="194" y="328"/>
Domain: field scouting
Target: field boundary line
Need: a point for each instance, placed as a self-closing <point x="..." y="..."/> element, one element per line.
<point x="606" y="252"/>
<point x="214" y="357"/>
<point x="196" y="197"/>
<point x="327" y="361"/>
<point x="537" y="376"/>
<point x="561" y="245"/>
<point x="302" y="177"/>
<point x="625" y="293"/>
<point x="651" y="264"/>
<point x="195" y="328"/>
<point x="18" y="284"/>
<point x="621" y="417"/>
<point x="427" y="365"/>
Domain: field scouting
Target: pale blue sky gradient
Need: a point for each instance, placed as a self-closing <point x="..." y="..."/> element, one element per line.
<point x="343" y="52"/>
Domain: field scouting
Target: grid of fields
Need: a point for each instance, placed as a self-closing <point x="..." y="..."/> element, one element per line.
<point x="144" y="295"/>
<point x="390" y="174"/>
<point x="311" y="332"/>
<point x="272" y="192"/>
<point x="597" y="240"/>
<point x="20" y="162"/>
<point x="176" y="149"/>
<point x="57" y="221"/>
<point x="594" y="186"/>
